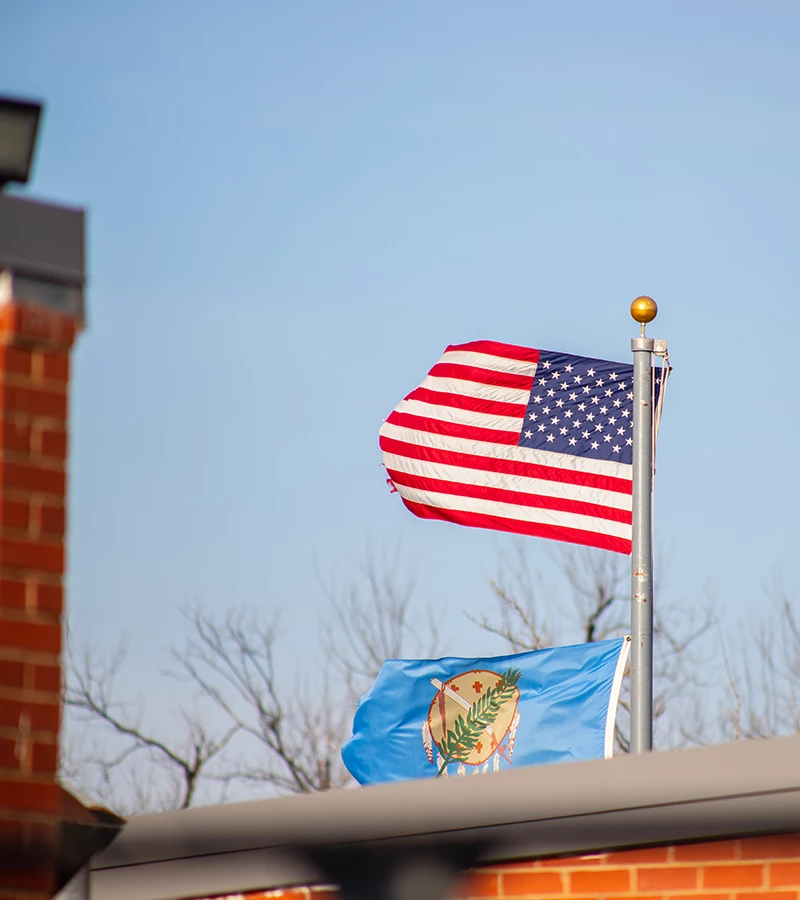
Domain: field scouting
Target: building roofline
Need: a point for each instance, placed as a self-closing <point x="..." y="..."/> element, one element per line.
<point x="703" y="793"/>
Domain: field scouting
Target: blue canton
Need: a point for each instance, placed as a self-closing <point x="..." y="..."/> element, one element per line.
<point x="580" y="406"/>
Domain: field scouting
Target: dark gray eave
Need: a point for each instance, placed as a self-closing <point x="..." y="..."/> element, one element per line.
<point x="42" y="251"/>
<point x="744" y="788"/>
<point x="42" y="240"/>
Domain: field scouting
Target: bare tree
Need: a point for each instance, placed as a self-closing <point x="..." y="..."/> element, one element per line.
<point x="276" y="737"/>
<point x="275" y="731"/>
<point x="521" y="621"/>
<point x="764" y="674"/>
<point x="294" y="742"/>
<point x="590" y="602"/>
<point x="371" y="620"/>
<point x="593" y="582"/>
<point x="126" y="745"/>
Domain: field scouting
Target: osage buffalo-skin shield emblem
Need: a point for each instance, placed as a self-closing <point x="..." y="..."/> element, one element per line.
<point x="472" y="721"/>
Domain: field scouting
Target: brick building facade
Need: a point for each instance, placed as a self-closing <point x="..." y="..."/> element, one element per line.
<point x="34" y="369"/>
<point x="45" y="834"/>
<point x="746" y="869"/>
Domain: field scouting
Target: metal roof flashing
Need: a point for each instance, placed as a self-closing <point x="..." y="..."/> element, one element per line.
<point x="42" y="254"/>
<point x="703" y="793"/>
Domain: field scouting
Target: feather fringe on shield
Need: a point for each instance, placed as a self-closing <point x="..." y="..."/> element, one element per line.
<point x="427" y="742"/>
<point x="512" y="736"/>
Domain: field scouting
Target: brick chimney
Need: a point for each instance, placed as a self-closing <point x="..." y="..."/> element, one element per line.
<point x="41" y="305"/>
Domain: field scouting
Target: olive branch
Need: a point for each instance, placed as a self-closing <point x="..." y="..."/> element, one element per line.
<point x="461" y="739"/>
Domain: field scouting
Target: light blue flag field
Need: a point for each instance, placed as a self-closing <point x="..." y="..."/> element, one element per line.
<point x="428" y="717"/>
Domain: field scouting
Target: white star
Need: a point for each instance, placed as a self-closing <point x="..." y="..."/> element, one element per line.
<point x="613" y="376"/>
<point x="598" y="427"/>
<point x="585" y="434"/>
<point x="562" y="430"/>
<point x="595" y="401"/>
<point x="617" y="402"/>
<point x="606" y="437"/>
<point x="546" y="364"/>
<point x="568" y="413"/>
<point x="556" y="375"/>
<point x="620" y="431"/>
<point x="532" y="417"/>
<point x="586" y="389"/>
<point x="628" y="441"/>
<point x="550" y="438"/>
<point x="573" y="396"/>
<point x="626" y="413"/>
<point x="622" y="385"/>
<point x="599" y="382"/>
<point x="559" y="403"/>
<point x="590" y="373"/>
<point x="595" y="445"/>
<point x="542" y="380"/>
<point x="572" y="442"/>
<point x="546" y="410"/>
<point x="612" y="420"/>
<point x="541" y="426"/>
<point x="577" y="379"/>
<point x="528" y="434"/>
<point x="537" y="398"/>
<point x="590" y="417"/>
<point x="608" y="392"/>
<point x="554" y="420"/>
<point x="581" y="406"/>
<point x="564" y="385"/>
<point x="603" y="409"/>
<point x="551" y="392"/>
<point x="630" y="396"/>
<point x="576" y="423"/>
<point x="615" y="448"/>
<point x="568" y="368"/>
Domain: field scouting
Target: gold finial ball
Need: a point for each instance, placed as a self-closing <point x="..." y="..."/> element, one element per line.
<point x="644" y="309"/>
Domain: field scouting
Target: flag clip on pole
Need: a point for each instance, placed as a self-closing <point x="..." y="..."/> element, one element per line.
<point x="643" y="310"/>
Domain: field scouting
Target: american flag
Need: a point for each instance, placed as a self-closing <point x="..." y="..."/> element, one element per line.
<point x="520" y="440"/>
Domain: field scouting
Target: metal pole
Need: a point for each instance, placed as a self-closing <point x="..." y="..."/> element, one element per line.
<point x="642" y="550"/>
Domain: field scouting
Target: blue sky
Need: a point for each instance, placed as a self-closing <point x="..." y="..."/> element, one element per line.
<point x="293" y="208"/>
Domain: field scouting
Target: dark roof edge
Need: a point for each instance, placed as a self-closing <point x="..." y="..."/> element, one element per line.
<point x="743" y="788"/>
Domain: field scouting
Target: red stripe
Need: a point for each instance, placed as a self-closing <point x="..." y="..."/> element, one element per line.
<point x="554" y="532"/>
<point x="503" y="495"/>
<point x="506" y="466"/>
<point x="476" y="404"/>
<point x="451" y="429"/>
<point x="493" y="348"/>
<point x="482" y="376"/>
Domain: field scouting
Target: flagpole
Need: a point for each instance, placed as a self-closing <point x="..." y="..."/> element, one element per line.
<point x="643" y="310"/>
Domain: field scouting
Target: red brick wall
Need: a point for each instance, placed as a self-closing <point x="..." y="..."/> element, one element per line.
<point x="34" y="372"/>
<point x="763" y="868"/>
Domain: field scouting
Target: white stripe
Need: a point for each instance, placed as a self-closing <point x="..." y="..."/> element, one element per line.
<point x="508" y="451"/>
<point x="616" y="684"/>
<point x="520" y="483"/>
<point x="476" y="389"/>
<point x="487" y="361"/>
<point x="459" y="416"/>
<point x="514" y="512"/>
